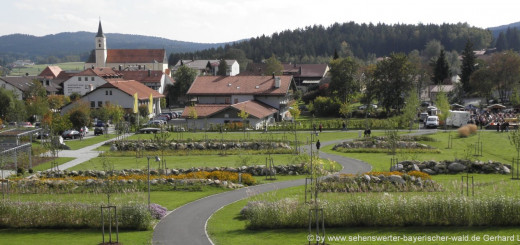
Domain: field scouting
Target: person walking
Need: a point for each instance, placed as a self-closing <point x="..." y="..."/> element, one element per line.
<point x="318" y="145"/>
<point x="321" y="127"/>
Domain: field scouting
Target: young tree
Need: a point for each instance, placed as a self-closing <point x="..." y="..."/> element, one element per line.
<point x="184" y="77"/>
<point x="222" y="68"/>
<point x="79" y="116"/>
<point x="410" y="109"/>
<point x="57" y="101"/>
<point x="468" y="66"/>
<point x="244" y="115"/>
<point x="344" y="80"/>
<point x="273" y="66"/>
<point x="481" y="82"/>
<point x="441" y="69"/>
<point x="444" y="106"/>
<point x="36" y="107"/>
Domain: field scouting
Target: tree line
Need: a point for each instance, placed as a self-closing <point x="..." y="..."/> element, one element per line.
<point x="317" y="43"/>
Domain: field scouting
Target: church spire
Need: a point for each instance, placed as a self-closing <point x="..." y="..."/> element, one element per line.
<point x="100" y="31"/>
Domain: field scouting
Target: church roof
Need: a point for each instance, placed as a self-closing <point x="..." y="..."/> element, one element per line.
<point x="100" y="30"/>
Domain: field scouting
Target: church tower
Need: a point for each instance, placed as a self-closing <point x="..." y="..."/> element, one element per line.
<point x="101" y="47"/>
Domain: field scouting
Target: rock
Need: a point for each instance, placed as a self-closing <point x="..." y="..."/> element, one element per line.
<point x="429" y="171"/>
<point x="456" y="167"/>
<point x="217" y="182"/>
<point x="415" y="167"/>
<point x="366" y="178"/>
<point x="113" y="147"/>
<point x="396" y="179"/>
<point x="506" y="170"/>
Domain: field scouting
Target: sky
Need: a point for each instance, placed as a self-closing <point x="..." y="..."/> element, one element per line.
<point x="214" y="21"/>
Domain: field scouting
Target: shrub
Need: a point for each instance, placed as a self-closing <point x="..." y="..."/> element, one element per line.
<point x="158" y="211"/>
<point x="463" y="131"/>
<point x="472" y="128"/>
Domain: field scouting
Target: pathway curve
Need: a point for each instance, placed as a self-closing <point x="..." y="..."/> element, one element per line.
<point x="187" y="224"/>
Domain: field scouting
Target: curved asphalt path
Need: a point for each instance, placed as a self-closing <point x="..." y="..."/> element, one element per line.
<point x="187" y="224"/>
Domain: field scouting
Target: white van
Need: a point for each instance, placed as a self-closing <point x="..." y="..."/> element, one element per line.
<point x="432" y="122"/>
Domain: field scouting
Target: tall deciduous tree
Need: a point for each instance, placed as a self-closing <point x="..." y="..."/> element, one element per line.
<point x="79" y="116"/>
<point x="410" y="110"/>
<point x="273" y="66"/>
<point x="441" y="69"/>
<point x="481" y="82"/>
<point x="344" y="78"/>
<point x="394" y="76"/>
<point x="183" y="77"/>
<point x="505" y="67"/>
<point x="468" y="66"/>
<point x="222" y="68"/>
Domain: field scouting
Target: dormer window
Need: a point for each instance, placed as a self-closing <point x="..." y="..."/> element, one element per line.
<point x="99" y="45"/>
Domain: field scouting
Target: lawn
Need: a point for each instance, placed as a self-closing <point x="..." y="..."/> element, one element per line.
<point x="185" y="162"/>
<point x="495" y="146"/>
<point x="227" y="227"/>
<point x="78" y="144"/>
<point x="48" y="164"/>
<point x="35" y="70"/>
<point x="66" y="237"/>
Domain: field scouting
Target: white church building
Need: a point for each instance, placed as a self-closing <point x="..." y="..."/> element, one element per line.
<point x="125" y="59"/>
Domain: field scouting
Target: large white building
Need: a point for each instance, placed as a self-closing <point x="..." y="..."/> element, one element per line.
<point x="129" y="59"/>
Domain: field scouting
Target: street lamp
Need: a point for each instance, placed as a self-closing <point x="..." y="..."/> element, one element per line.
<point x="157" y="159"/>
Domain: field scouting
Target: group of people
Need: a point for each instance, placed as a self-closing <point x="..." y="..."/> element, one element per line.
<point x="494" y="118"/>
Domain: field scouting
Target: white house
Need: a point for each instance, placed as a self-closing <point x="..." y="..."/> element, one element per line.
<point x="88" y="80"/>
<point x="141" y="59"/>
<point x="209" y="67"/>
<point x="219" y="99"/>
<point x="119" y="92"/>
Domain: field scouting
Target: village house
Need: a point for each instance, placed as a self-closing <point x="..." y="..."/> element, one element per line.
<point x="88" y="80"/>
<point x="21" y="84"/>
<point x="119" y="92"/>
<point x="219" y="100"/>
<point x="209" y="67"/>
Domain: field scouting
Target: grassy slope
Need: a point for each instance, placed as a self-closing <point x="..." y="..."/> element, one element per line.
<point x="37" y="69"/>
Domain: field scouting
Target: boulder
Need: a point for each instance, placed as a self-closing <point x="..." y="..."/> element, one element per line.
<point x="456" y="167"/>
<point x="429" y="171"/>
<point x="397" y="167"/>
<point x="396" y="179"/>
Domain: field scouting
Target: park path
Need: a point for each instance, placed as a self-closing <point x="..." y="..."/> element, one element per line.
<point x="187" y="224"/>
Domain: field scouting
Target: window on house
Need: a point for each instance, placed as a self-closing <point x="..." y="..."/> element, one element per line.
<point x="86" y="78"/>
<point x="110" y="92"/>
<point x="92" y="79"/>
<point x="106" y="92"/>
<point x="236" y="100"/>
<point x="47" y="82"/>
<point x="99" y="45"/>
<point x="79" y="78"/>
<point x="100" y="103"/>
<point x="228" y="100"/>
<point x="92" y="104"/>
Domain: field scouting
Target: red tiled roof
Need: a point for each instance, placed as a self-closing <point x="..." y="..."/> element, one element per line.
<point x="227" y="85"/>
<point x="142" y="76"/>
<point x="99" y="71"/>
<point x="66" y="74"/>
<point x="135" y="55"/>
<point x="204" y="110"/>
<point x="51" y="72"/>
<point x="308" y="70"/>
<point x="254" y="108"/>
<point x="131" y="87"/>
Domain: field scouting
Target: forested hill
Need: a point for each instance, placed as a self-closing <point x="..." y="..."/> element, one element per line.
<point x="364" y="40"/>
<point x="80" y="43"/>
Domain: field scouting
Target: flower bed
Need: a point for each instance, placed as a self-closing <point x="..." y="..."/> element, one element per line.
<point x="387" y="210"/>
<point x="95" y="182"/>
<point x="14" y="214"/>
<point x="151" y="145"/>
<point x="379" y="144"/>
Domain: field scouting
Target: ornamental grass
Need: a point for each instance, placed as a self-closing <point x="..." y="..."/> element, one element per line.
<point x="388" y="211"/>
<point x="16" y="214"/>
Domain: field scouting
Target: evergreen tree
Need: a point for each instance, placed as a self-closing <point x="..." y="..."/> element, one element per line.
<point x="222" y="68"/>
<point x="336" y="56"/>
<point x="502" y="42"/>
<point x="184" y="77"/>
<point x="468" y="66"/>
<point x="441" y="70"/>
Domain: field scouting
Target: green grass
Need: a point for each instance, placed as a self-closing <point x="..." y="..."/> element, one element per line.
<point x="48" y="164"/>
<point x="227" y="226"/>
<point x="496" y="147"/>
<point x="66" y="237"/>
<point x="185" y="162"/>
<point x="78" y="144"/>
<point x="37" y="69"/>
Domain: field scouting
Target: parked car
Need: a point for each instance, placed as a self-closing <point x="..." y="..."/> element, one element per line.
<point x="163" y="118"/>
<point x="99" y="130"/>
<point x="432" y="122"/>
<point x="423" y="116"/>
<point x="27" y="125"/>
<point x="100" y="123"/>
<point x="149" y="130"/>
<point x="71" y="134"/>
<point x="363" y="107"/>
<point x="169" y="114"/>
<point x="41" y="135"/>
<point x="155" y="122"/>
